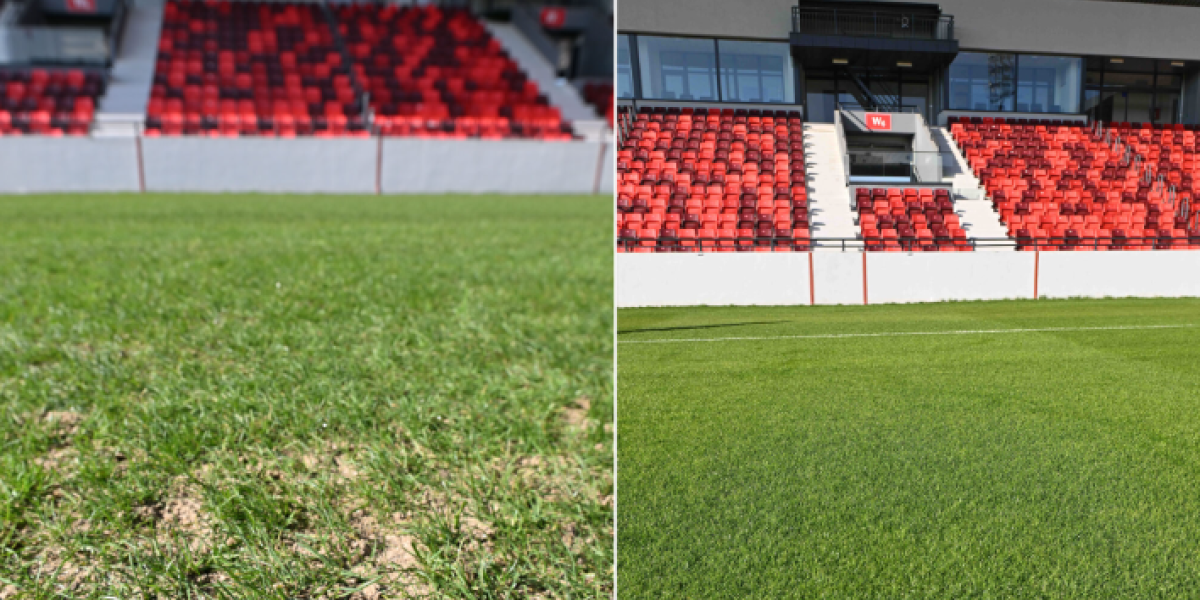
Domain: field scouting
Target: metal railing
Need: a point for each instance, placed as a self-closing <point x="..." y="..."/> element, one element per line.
<point x="854" y="105"/>
<point x="910" y="244"/>
<point x="872" y="23"/>
<point x="932" y="166"/>
<point x="1147" y="175"/>
<point x="840" y="131"/>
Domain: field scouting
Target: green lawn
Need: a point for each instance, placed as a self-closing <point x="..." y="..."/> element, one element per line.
<point x="1058" y="464"/>
<point x="327" y="397"/>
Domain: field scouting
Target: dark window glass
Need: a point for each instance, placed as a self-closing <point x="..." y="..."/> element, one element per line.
<point x="677" y="68"/>
<point x="624" y="68"/>
<point x="980" y="81"/>
<point x="756" y="72"/>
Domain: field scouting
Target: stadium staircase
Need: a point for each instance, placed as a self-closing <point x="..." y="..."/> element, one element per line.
<point x="560" y="92"/>
<point x="122" y="110"/>
<point x="830" y="212"/>
<point x="976" y="212"/>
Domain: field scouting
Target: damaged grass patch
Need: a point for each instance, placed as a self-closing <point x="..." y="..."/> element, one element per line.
<point x="305" y="397"/>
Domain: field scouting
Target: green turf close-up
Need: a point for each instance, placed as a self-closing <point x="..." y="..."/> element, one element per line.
<point x="255" y="396"/>
<point x="1036" y="464"/>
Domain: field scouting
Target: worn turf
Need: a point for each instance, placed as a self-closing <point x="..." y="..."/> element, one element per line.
<point x="1051" y="464"/>
<point x="305" y="397"/>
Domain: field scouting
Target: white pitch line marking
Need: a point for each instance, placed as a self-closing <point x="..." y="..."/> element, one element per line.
<point x="835" y="336"/>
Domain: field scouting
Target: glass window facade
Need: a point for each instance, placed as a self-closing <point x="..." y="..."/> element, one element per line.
<point x="1048" y="83"/>
<point x="980" y="81"/>
<point x="1133" y="90"/>
<point x="678" y="68"/>
<point x="1012" y="82"/>
<point x="756" y="72"/>
<point x="624" y="68"/>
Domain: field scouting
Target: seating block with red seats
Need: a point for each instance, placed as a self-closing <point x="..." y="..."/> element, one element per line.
<point x="51" y="102"/>
<point x="437" y="72"/>
<point x="249" y="68"/>
<point x="900" y="219"/>
<point x="1059" y="187"/>
<point x="711" y="179"/>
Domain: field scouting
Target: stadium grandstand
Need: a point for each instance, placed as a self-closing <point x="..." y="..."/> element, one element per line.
<point x="1035" y="133"/>
<point x="962" y="127"/>
<point x="138" y="83"/>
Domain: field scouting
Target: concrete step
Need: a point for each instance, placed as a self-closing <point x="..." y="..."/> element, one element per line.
<point x="976" y="212"/>
<point x="829" y="208"/>
<point x="981" y="221"/>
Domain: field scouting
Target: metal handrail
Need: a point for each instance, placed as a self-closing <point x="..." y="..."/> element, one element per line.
<point x="872" y="23"/>
<point x="1146" y="173"/>
<point x="749" y="243"/>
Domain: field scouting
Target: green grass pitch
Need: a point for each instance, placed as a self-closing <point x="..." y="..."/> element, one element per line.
<point x="318" y="397"/>
<point x="1042" y="464"/>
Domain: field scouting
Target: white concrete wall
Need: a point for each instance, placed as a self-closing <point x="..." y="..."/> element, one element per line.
<point x="1120" y="274"/>
<point x="894" y="277"/>
<point x="717" y="279"/>
<point x="301" y="165"/>
<point x="473" y="166"/>
<point x="46" y="164"/>
<point x="837" y="278"/>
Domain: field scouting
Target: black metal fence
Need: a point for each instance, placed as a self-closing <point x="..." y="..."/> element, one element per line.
<point x="872" y="23"/>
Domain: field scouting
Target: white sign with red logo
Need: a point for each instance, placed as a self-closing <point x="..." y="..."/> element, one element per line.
<point x="879" y="121"/>
<point x="553" y="17"/>
<point x="81" y="6"/>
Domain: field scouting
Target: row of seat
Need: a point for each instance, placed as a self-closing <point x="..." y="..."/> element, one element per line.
<point x="713" y="240"/>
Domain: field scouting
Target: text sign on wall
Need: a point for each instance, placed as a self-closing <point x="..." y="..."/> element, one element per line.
<point x="879" y="121"/>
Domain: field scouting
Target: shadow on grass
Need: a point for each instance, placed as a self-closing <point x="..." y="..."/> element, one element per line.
<point x="717" y="326"/>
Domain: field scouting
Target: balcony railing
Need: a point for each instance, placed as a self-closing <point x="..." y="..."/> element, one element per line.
<point x="872" y="23"/>
<point x="920" y="166"/>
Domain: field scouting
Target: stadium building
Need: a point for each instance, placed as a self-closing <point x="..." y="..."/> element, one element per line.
<point x="375" y="97"/>
<point x="908" y="128"/>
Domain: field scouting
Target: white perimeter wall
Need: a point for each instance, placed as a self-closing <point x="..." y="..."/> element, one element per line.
<point x="314" y="165"/>
<point x="302" y="165"/>
<point x="418" y="165"/>
<point x="711" y="279"/>
<point x="1099" y="274"/>
<point x="46" y="164"/>
<point x="838" y="278"/>
<point x="934" y="276"/>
